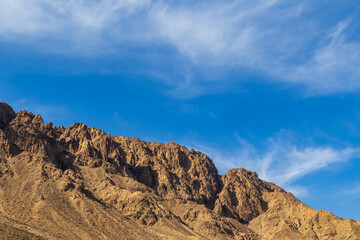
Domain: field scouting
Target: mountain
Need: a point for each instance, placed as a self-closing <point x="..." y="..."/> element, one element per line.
<point x="81" y="183"/>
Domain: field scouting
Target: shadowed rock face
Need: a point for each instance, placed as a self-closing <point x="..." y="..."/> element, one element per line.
<point x="81" y="183"/>
<point x="7" y="114"/>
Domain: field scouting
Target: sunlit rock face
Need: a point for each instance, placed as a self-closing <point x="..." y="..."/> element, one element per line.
<point x="81" y="183"/>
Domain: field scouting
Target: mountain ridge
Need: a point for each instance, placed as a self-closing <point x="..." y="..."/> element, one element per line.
<point x="82" y="183"/>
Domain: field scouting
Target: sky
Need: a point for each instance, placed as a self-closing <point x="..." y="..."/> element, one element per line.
<point x="272" y="86"/>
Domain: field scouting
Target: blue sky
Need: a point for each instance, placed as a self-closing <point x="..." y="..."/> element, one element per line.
<point x="272" y="86"/>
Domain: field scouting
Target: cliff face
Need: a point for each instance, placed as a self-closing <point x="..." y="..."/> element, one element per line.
<point x="81" y="183"/>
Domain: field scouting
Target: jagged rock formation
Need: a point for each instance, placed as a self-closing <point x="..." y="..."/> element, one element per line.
<point x="81" y="183"/>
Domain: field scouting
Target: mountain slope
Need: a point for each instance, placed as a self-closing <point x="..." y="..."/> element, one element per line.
<point x="81" y="183"/>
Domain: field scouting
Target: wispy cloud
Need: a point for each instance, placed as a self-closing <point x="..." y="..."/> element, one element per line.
<point x="282" y="160"/>
<point x="276" y="40"/>
<point x="353" y="191"/>
<point x="333" y="67"/>
<point x="78" y="25"/>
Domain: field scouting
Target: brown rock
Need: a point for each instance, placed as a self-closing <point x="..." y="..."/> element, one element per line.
<point x="7" y="114"/>
<point x="81" y="183"/>
<point x="242" y="195"/>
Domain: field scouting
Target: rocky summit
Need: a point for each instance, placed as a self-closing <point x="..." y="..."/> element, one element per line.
<point x="82" y="183"/>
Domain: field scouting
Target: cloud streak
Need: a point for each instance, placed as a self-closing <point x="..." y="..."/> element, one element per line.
<point x="333" y="66"/>
<point x="282" y="160"/>
<point x="276" y="40"/>
<point x="353" y="191"/>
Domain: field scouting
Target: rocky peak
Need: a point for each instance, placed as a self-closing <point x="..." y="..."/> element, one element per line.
<point x="242" y="195"/>
<point x="170" y="169"/>
<point x="7" y="114"/>
<point x="84" y="180"/>
<point x="28" y="119"/>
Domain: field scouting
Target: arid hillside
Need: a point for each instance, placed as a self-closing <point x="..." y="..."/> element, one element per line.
<point x="81" y="183"/>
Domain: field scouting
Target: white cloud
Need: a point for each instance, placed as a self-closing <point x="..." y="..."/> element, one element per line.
<point x="20" y="17"/>
<point x="78" y="24"/>
<point x="273" y="39"/>
<point x="334" y="67"/>
<point x="237" y="32"/>
<point x="294" y="163"/>
<point x="282" y="161"/>
<point x="354" y="190"/>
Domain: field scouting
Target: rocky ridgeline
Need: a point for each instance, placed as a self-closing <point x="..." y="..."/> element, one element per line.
<point x="81" y="183"/>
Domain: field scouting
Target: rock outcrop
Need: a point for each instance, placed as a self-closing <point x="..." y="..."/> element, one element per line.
<point x="7" y="114"/>
<point x="81" y="183"/>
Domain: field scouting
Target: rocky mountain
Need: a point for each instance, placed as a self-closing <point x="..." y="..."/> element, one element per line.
<point x="81" y="183"/>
